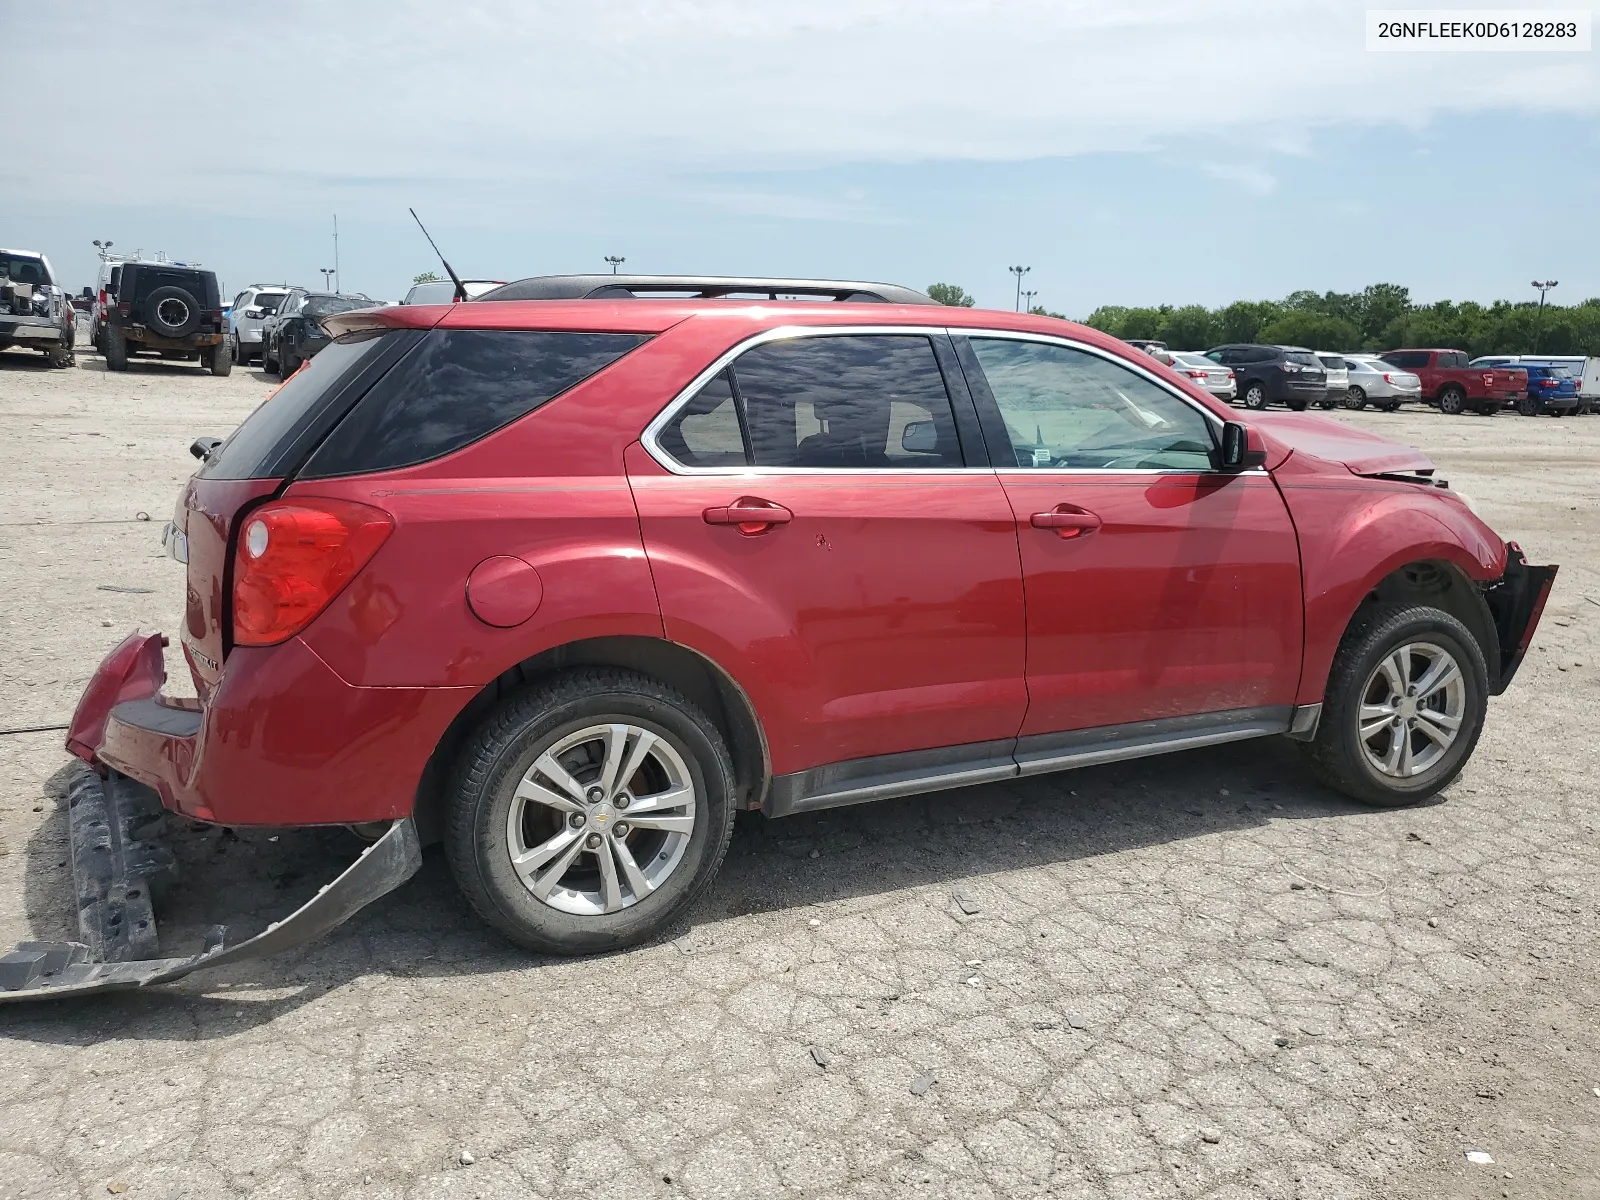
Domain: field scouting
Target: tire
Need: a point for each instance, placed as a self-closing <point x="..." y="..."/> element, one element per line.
<point x="288" y="363"/>
<point x="59" y="356"/>
<point x="487" y="823"/>
<point x="1391" y="406"/>
<point x="268" y="363"/>
<point x="1355" y="399"/>
<point x="1528" y="406"/>
<point x="1363" y="679"/>
<point x="1452" y="401"/>
<point x="219" y="360"/>
<point x="116" y="349"/>
<point x="236" y="350"/>
<point x="1254" y="396"/>
<point x="1296" y="405"/>
<point x="172" y="312"/>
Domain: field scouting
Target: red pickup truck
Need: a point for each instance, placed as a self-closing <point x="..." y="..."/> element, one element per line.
<point x="1450" y="383"/>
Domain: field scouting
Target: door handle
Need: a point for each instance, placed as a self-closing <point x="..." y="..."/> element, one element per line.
<point x="751" y="514"/>
<point x="1067" y="520"/>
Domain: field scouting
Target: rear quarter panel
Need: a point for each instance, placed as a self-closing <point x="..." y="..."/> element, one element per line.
<point x="1353" y="532"/>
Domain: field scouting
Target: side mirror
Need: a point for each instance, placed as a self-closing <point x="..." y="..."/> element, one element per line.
<point x="920" y="437"/>
<point x="1236" y="453"/>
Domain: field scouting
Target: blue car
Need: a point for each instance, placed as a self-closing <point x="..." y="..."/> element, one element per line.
<point x="1552" y="390"/>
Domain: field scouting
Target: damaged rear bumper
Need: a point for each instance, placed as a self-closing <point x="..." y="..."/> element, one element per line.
<point x="1516" y="602"/>
<point x="115" y="860"/>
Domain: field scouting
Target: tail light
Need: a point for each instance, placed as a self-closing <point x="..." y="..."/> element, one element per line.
<point x="1195" y="373"/>
<point x="1549" y="383"/>
<point x="1230" y="375"/>
<point x="1388" y="378"/>
<point x="293" y="558"/>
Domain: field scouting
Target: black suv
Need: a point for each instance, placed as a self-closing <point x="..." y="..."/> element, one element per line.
<point x="1264" y="375"/>
<point x="294" y="333"/>
<point x="164" y="307"/>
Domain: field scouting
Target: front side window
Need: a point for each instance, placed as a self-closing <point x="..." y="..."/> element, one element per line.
<point x="1066" y="409"/>
<point x="856" y="401"/>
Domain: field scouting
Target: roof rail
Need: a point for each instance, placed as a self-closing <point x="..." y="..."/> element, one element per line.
<point x="700" y="287"/>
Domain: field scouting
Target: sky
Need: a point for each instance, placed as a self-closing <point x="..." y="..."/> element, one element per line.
<point x="1194" y="151"/>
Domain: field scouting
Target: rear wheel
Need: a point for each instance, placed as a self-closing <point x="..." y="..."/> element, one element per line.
<point x="116" y="349"/>
<point x="219" y="360"/>
<point x="1255" y="396"/>
<point x="1404" y="706"/>
<point x="588" y="813"/>
<point x="268" y="363"/>
<point x="1452" y="401"/>
<point x="1528" y="406"/>
<point x="1355" y="398"/>
<point x="1296" y="405"/>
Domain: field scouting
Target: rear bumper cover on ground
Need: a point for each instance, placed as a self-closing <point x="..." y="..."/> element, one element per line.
<point x="113" y="865"/>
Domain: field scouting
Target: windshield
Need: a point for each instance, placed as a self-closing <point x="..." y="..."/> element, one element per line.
<point x="324" y="306"/>
<point x="21" y="268"/>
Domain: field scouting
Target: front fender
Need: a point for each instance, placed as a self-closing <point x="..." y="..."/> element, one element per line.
<point x="1355" y="534"/>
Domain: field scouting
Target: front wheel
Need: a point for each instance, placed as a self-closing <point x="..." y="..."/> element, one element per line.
<point x="588" y="813"/>
<point x="1404" y="706"/>
<point x="1355" y="399"/>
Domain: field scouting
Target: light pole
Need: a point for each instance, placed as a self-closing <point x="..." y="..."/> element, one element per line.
<point x="327" y="274"/>
<point x="1027" y="298"/>
<point x="1019" y="272"/>
<point x="1538" y="326"/>
<point x="103" y="247"/>
<point x="616" y="260"/>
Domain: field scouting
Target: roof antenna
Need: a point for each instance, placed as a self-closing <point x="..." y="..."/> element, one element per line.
<point x="461" y="288"/>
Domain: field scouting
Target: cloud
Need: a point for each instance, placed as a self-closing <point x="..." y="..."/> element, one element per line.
<point x="1255" y="180"/>
<point x="488" y="108"/>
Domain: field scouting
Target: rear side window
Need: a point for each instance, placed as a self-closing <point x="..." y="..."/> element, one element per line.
<point x="843" y="402"/>
<point x="457" y="386"/>
<point x="254" y="449"/>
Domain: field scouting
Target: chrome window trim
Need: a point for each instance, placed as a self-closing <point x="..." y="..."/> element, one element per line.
<point x="788" y="332"/>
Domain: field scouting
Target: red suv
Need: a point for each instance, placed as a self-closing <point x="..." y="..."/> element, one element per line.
<point x="565" y="577"/>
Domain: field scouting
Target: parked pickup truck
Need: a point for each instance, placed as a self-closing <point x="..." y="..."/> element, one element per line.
<point x="1454" y="386"/>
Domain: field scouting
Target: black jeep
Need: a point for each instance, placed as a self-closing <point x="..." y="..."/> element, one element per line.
<point x="175" y="310"/>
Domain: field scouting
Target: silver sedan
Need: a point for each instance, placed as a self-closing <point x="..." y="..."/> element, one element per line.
<point x="1219" y="381"/>
<point x="1381" y="384"/>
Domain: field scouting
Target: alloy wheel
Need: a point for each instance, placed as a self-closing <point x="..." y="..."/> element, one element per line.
<point x="601" y="819"/>
<point x="1411" y="710"/>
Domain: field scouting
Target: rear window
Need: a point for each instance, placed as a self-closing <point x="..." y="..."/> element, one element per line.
<point x="457" y="386"/>
<point x="254" y="449"/>
<point x="1333" y="362"/>
<point x="1302" y="357"/>
<point x="202" y="285"/>
<point x="268" y="301"/>
<point x="326" y="306"/>
<point x="23" y="269"/>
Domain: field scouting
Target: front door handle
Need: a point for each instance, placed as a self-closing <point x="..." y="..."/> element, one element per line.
<point x="751" y="514"/>
<point x="1067" y="520"/>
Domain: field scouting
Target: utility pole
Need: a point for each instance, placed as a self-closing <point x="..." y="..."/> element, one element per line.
<point x="1019" y="272"/>
<point x="336" y="285"/>
<point x="616" y="260"/>
<point x="1027" y="298"/>
<point x="1538" y="327"/>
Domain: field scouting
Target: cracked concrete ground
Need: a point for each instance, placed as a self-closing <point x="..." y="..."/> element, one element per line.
<point x="1199" y="976"/>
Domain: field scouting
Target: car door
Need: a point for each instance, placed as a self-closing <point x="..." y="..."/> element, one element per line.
<point x="1158" y="588"/>
<point x="819" y="527"/>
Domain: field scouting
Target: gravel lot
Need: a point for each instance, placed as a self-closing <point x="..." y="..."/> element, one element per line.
<point x="1193" y="976"/>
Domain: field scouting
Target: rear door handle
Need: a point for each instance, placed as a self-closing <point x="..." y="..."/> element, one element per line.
<point x="1067" y="520"/>
<point x="751" y="514"/>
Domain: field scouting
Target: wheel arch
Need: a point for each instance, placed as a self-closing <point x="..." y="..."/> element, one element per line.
<point x="1442" y="584"/>
<point x="703" y="681"/>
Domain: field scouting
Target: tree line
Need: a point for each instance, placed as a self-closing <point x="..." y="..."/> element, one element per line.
<point x="1379" y="317"/>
